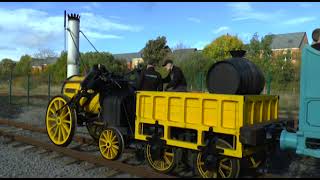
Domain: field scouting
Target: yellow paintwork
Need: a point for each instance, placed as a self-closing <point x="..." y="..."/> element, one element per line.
<point x="74" y="84"/>
<point x="199" y="111"/>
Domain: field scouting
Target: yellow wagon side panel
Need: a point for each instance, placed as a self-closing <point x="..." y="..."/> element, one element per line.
<point x="210" y="112"/>
<point x="160" y="110"/>
<point x="229" y="114"/>
<point x="176" y="110"/>
<point x="193" y="111"/>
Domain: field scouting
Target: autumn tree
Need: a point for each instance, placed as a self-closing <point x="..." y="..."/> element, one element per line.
<point x="220" y="48"/>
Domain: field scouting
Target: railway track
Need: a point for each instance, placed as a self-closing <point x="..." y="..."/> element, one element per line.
<point x="96" y="160"/>
<point x="83" y="156"/>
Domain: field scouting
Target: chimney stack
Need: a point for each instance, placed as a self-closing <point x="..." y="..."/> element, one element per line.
<point x="73" y="45"/>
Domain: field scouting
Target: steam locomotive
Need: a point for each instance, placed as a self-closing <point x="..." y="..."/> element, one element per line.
<point x="213" y="132"/>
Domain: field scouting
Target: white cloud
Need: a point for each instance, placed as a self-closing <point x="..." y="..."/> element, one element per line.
<point x="92" y="21"/>
<point x="96" y="35"/>
<point x="193" y="19"/>
<point x="244" y="11"/>
<point x="299" y="20"/>
<point x="220" y="29"/>
<point x="29" y="30"/>
<point x="241" y="6"/>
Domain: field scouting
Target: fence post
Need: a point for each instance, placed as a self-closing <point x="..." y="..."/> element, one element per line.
<point x="28" y="90"/>
<point x="10" y="87"/>
<point x="49" y="84"/>
<point x="268" y="84"/>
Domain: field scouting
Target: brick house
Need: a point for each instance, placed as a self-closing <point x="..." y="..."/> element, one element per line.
<point x="294" y="42"/>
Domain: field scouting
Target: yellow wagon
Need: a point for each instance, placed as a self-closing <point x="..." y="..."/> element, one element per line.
<point x="233" y="126"/>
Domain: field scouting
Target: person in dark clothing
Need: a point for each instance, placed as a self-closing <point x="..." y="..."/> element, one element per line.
<point x="150" y="79"/>
<point x="175" y="79"/>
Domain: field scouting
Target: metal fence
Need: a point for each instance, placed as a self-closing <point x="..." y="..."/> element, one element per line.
<point x="27" y="89"/>
<point x="37" y="89"/>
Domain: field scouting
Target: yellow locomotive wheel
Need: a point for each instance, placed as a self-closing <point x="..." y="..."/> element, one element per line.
<point x="111" y="143"/>
<point x="165" y="164"/>
<point x="228" y="167"/>
<point x="60" y="124"/>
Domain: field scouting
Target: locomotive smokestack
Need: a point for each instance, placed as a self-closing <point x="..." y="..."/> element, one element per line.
<point x="73" y="45"/>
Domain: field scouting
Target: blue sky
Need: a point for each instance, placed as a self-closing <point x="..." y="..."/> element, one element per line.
<point x="123" y="27"/>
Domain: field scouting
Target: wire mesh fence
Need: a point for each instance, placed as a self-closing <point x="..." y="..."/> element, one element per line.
<point x="37" y="89"/>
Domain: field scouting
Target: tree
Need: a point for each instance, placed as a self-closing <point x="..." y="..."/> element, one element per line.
<point x="254" y="47"/>
<point x="23" y="67"/>
<point x="156" y="50"/>
<point x="6" y="65"/>
<point x="220" y="47"/>
<point x="45" y="53"/>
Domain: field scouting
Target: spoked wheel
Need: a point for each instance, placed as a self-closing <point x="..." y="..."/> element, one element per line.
<point x="60" y="125"/>
<point x="94" y="130"/>
<point x="111" y="143"/>
<point x="227" y="167"/>
<point x="165" y="162"/>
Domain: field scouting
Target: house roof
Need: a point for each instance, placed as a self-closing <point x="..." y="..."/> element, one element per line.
<point x="288" y="40"/>
<point x="187" y="50"/>
<point x="128" y="56"/>
<point x="39" y="62"/>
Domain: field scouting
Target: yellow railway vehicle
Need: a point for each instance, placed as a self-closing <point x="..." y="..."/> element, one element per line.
<point x="213" y="133"/>
<point x="234" y="123"/>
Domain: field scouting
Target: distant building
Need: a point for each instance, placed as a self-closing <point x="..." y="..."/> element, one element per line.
<point x="133" y="59"/>
<point x="40" y="65"/>
<point x="294" y="42"/>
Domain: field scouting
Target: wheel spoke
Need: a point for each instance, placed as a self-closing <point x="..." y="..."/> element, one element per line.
<point x="222" y="173"/>
<point x="115" y="147"/>
<point x="65" y="127"/>
<point x="63" y="132"/>
<point x="114" y="151"/>
<point x="166" y="160"/>
<point x="51" y="119"/>
<point x="223" y="166"/>
<point x="52" y="111"/>
<point x="103" y="140"/>
<point x="114" y="137"/>
<point x="55" y="105"/>
<point x="55" y="132"/>
<point x="50" y="128"/>
<point x="64" y="116"/>
<point x="103" y="151"/>
<point x="59" y="133"/>
<point x="169" y="154"/>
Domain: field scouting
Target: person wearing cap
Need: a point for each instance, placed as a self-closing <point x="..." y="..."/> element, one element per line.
<point x="175" y="79"/>
<point x="150" y="79"/>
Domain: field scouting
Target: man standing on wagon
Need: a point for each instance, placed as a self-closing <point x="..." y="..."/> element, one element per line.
<point x="175" y="79"/>
<point x="150" y="79"/>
